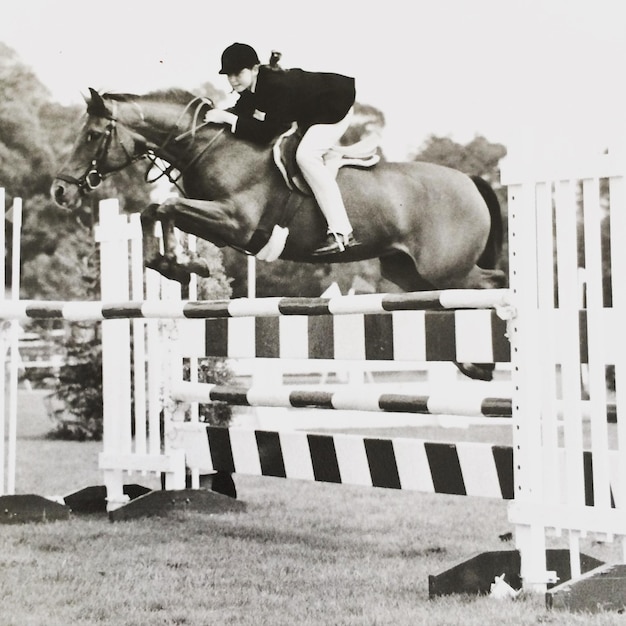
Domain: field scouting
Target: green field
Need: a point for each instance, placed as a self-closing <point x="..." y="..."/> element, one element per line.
<point x="301" y="553"/>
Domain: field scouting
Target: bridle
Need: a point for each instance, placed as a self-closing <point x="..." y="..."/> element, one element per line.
<point x="93" y="177"/>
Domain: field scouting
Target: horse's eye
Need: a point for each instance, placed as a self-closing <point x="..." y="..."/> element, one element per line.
<point x="92" y="135"/>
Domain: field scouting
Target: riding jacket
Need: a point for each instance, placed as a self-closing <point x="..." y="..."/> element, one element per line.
<point x="282" y="97"/>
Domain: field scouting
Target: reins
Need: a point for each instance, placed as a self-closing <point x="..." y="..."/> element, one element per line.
<point x="195" y="126"/>
<point x="153" y="158"/>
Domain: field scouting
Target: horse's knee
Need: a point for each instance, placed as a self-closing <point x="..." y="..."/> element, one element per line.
<point x="148" y="214"/>
<point x="166" y="208"/>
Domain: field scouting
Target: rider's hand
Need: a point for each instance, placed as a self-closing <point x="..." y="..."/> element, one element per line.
<point x="219" y="116"/>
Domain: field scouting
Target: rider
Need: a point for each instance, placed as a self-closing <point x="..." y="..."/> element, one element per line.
<point x="270" y="100"/>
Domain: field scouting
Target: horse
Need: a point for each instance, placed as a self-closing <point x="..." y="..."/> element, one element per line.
<point x="431" y="227"/>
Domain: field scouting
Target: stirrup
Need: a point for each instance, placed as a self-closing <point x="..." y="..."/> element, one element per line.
<point x="335" y="243"/>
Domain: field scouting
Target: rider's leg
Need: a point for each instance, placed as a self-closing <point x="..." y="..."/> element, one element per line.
<point x="317" y="140"/>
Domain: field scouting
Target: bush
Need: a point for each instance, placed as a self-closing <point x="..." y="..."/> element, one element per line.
<point x="78" y="391"/>
<point x="215" y="371"/>
<point x="77" y="403"/>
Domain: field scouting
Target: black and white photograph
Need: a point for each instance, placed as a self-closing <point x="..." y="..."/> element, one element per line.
<point x="312" y="313"/>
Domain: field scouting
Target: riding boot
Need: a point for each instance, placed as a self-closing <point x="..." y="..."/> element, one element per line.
<point x="334" y="243"/>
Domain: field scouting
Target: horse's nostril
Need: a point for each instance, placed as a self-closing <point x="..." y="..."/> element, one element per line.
<point x="58" y="193"/>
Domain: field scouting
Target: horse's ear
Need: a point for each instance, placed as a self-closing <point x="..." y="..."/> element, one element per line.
<point x="96" y="104"/>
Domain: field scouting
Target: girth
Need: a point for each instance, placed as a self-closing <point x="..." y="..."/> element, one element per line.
<point x="276" y="214"/>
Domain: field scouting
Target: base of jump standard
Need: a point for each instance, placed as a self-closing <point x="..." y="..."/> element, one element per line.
<point x="19" y="509"/>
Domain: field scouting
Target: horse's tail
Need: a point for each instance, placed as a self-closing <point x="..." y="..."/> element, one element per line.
<point x="493" y="249"/>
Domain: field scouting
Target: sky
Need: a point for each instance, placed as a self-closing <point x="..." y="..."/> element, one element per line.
<point x="544" y="72"/>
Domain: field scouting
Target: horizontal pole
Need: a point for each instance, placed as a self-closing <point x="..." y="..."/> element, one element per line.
<point x="362" y="398"/>
<point x="257" y="307"/>
<point x="353" y="398"/>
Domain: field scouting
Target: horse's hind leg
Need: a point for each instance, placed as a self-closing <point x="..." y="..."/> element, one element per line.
<point x="480" y="278"/>
<point x="400" y="269"/>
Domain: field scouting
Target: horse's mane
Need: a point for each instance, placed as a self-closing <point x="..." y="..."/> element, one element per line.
<point x="173" y="95"/>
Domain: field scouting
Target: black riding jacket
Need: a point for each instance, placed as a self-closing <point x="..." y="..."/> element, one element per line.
<point x="282" y="97"/>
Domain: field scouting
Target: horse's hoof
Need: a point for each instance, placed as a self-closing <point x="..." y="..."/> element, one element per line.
<point x="169" y="271"/>
<point x="199" y="267"/>
<point x="477" y="371"/>
<point x="179" y="274"/>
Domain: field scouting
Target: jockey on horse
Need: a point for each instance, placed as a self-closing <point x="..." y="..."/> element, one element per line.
<point x="270" y="101"/>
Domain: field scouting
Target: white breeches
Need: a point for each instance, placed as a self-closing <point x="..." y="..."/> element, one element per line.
<point x="315" y="143"/>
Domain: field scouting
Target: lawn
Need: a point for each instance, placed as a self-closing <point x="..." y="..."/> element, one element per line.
<point x="300" y="553"/>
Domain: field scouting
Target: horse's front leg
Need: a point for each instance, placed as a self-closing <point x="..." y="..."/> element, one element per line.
<point x="152" y="256"/>
<point x="172" y="263"/>
<point x="203" y="218"/>
<point x="151" y="247"/>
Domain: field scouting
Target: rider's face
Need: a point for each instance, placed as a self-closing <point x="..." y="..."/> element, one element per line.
<point x="245" y="79"/>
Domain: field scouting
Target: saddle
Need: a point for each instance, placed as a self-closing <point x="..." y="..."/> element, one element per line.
<point x="270" y="236"/>
<point x="364" y="153"/>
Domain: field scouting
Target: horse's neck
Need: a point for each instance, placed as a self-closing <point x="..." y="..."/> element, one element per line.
<point x="163" y="131"/>
<point x="220" y="159"/>
<point x="211" y="153"/>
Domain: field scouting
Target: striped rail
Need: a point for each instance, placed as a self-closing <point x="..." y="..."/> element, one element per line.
<point x="257" y="307"/>
<point x="361" y="398"/>
<point x="465" y="468"/>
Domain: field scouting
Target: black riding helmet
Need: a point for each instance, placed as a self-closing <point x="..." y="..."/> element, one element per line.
<point x="237" y="57"/>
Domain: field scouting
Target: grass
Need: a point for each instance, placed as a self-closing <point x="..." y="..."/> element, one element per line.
<point x="302" y="553"/>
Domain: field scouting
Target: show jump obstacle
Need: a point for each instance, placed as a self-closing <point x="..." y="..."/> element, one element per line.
<point x="564" y="472"/>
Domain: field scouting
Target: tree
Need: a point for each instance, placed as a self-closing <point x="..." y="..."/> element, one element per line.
<point x="210" y="91"/>
<point x="366" y="120"/>
<point x="25" y="153"/>
<point x="479" y="157"/>
<point x="36" y="136"/>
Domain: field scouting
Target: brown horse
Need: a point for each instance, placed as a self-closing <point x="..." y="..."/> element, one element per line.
<point x="432" y="227"/>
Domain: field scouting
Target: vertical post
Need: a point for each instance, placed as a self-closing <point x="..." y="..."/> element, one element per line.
<point x="525" y="510"/>
<point x="14" y="341"/>
<point x="569" y="354"/>
<point x="545" y="303"/>
<point x="617" y="191"/>
<point x="3" y="351"/>
<point x="251" y="276"/>
<point x="194" y="407"/>
<point x="171" y="364"/>
<point x="139" y="335"/>
<point x="116" y="357"/>
<point x="155" y="356"/>
<point x="592" y="219"/>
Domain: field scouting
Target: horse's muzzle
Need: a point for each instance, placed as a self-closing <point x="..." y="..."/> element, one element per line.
<point x="66" y="195"/>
